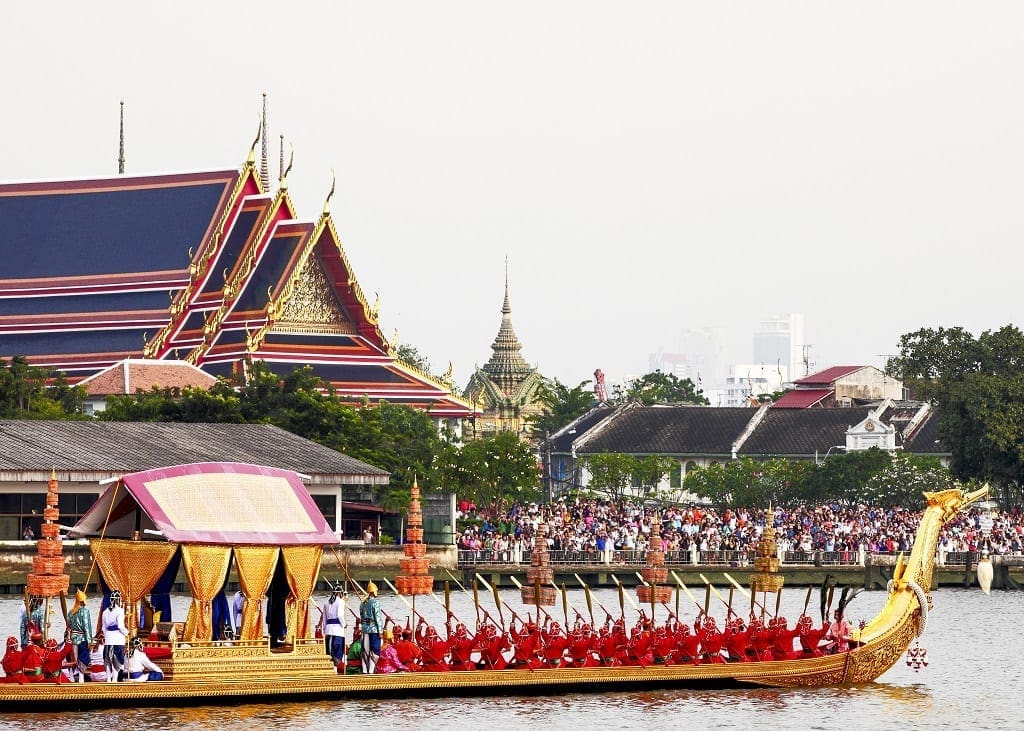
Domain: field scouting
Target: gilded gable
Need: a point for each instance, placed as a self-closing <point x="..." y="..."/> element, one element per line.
<point x="313" y="305"/>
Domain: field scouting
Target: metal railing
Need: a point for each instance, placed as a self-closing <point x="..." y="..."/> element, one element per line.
<point x="740" y="559"/>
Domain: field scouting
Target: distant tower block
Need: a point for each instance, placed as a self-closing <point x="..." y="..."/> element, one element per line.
<point x="48" y="578"/>
<point x="415" y="577"/>
<point x="654" y="573"/>
<point x="766" y="563"/>
<point x="539" y="589"/>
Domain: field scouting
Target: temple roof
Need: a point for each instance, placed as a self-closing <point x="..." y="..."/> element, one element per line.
<point x="208" y="267"/>
<point x="131" y="375"/>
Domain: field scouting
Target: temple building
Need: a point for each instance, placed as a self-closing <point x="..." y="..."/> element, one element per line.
<point x="504" y="392"/>
<point x="215" y="268"/>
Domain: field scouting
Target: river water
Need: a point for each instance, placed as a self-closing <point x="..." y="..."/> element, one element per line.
<point x="972" y="682"/>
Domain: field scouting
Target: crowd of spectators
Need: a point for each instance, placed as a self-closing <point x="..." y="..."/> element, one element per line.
<point x="598" y="525"/>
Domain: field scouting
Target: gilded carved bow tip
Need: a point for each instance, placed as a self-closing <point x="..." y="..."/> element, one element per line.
<point x="954" y="499"/>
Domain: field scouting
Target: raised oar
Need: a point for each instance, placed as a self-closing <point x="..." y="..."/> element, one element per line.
<point x="748" y="595"/>
<point x="807" y="600"/>
<point x="689" y="594"/>
<point x="717" y="594"/>
<point x="590" y="597"/>
<point x="626" y="594"/>
<point x="497" y="600"/>
<point x="475" y="601"/>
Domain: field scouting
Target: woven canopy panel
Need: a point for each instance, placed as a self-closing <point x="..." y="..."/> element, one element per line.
<point x="213" y="503"/>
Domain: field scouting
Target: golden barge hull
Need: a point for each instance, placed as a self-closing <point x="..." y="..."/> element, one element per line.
<point x="232" y="675"/>
<point x="861" y="665"/>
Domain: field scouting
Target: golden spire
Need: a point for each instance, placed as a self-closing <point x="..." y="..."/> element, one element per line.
<point x="280" y="161"/>
<point x="264" y="170"/>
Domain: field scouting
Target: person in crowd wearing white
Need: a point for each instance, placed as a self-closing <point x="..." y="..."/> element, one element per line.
<point x="115" y="635"/>
<point x="334" y="625"/>
<point x="140" y="667"/>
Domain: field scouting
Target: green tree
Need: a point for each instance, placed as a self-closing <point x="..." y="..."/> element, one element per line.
<point x="615" y="474"/>
<point x="497" y="469"/>
<point x="844" y="477"/>
<point x="978" y="385"/>
<point x="560" y="405"/>
<point x="28" y="392"/>
<point x="904" y="480"/>
<point x="664" y="388"/>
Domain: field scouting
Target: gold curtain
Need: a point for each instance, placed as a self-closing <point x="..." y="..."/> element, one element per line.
<point x="255" y="566"/>
<point x="301" y="567"/>
<point x="206" y="568"/>
<point x="132" y="567"/>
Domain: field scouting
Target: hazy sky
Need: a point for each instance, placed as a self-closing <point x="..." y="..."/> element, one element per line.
<point x="646" y="167"/>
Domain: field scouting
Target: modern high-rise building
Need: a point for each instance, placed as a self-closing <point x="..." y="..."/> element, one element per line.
<point x="779" y="342"/>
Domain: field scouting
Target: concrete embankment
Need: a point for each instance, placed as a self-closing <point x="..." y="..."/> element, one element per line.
<point x="367" y="562"/>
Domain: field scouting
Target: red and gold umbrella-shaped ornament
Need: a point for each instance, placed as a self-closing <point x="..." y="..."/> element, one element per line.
<point x="415" y="578"/>
<point x="47" y="579"/>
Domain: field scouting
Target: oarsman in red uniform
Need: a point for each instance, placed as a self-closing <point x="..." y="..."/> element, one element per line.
<point x="687" y="645"/>
<point x="32" y="664"/>
<point x="810" y="636"/>
<point x="608" y="645"/>
<point x="461" y="647"/>
<point x="582" y="649"/>
<point x="737" y="640"/>
<point x="782" y="639"/>
<point x="664" y="646"/>
<point x="55" y="659"/>
<point x="525" y="645"/>
<point x="491" y="645"/>
<point x="435" y="650"/>
<point x="638" y="648"/>
<point x="760" y="640"/>
<point x="554" y="644"/>
<point x="408" y="652"/>
<point x="12" y="662"/>
<point x="711" y="640"/>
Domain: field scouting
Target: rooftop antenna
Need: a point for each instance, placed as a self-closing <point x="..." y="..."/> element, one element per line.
<point x="120" y="155"/>
<point x="264" y="170"/>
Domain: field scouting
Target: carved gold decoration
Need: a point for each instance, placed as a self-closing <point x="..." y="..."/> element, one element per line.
<point x="197" y="270"/>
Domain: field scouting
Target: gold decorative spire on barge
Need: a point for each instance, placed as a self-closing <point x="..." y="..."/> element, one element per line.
<point x="766" y="577"/>
<point x="539" y="588"/>
<point x="415" y="577"/>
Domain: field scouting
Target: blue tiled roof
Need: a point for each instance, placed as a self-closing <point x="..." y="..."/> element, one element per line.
<point x="75" y="230"/>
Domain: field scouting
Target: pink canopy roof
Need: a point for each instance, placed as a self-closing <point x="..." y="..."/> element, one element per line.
<point x="211" y="502"/>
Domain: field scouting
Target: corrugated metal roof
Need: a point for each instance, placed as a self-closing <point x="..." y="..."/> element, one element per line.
<point x="802" y="399"/>
<point x="122" y="447"/>
<point x="828" y="376"/>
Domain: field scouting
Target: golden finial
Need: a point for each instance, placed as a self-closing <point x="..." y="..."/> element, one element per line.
<point x="327" y="203"/>
<point x="376" y="306"/>
<point x="251" y="160"/>
<point x="291" y="160"/>
<point x="264" y="171"/>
